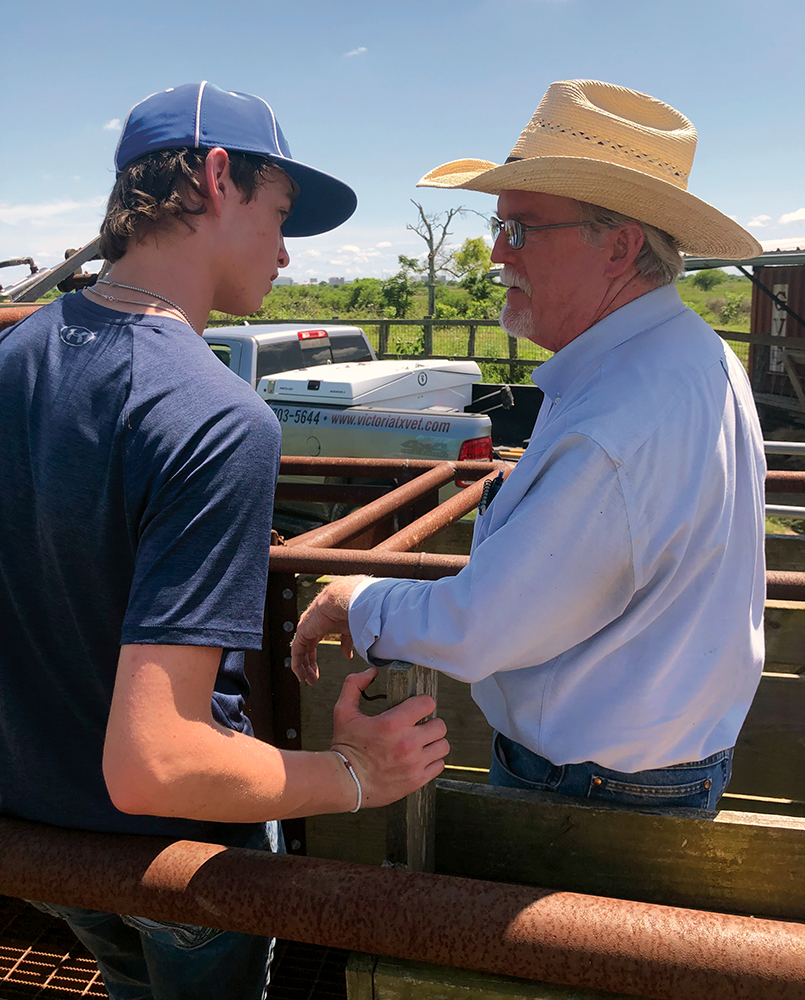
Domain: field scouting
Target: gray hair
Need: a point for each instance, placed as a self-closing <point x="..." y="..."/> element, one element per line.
<point x="659" y="260"/>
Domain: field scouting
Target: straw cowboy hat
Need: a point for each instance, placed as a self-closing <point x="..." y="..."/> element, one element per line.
<point x="615" y="148"/>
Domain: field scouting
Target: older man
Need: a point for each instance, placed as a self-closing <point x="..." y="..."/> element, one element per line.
<point x="609" y="618"/>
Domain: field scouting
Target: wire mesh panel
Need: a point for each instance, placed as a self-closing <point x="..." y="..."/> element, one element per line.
<point x="40" y="959"/>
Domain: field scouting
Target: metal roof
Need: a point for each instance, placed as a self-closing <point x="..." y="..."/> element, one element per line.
<point x="787" y="251"/>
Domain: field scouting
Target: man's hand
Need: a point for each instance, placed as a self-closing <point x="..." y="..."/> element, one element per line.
<point x="165" y="755"/>
<point x="390" y="753"/>
<point x="327" y="613"/>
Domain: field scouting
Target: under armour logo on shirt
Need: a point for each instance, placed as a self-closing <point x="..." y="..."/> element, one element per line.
<point x="76" y="336"/>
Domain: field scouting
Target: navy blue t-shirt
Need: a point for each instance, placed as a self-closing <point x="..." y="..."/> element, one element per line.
<point x="137" y="477"/>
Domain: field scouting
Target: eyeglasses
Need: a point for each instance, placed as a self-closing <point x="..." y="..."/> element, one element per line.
<point x="515" y="231"/>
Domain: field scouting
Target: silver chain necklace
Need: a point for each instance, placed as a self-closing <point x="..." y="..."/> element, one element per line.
<point x="143" y="291"/>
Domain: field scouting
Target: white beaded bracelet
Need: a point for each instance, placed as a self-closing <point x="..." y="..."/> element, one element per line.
<point x="351" y="770"/>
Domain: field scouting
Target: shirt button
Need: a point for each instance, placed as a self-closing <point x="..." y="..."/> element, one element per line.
<point x="598" y="781"/>
<point x="557" y="399"/>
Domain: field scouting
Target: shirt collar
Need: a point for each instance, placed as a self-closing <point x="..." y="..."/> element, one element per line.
<point x="555" y="375"/>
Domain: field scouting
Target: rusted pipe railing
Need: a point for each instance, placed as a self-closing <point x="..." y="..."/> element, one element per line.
<point x="779" y="481"/>
<point x="785" y="585"/>
<point x="9" y="315"/>
<point x="345" y="562"/>
<point x="781" y="585"/>
<point x="658" y="952"/>
<point x="337" y="532"/>
<point x="438" y="519"/>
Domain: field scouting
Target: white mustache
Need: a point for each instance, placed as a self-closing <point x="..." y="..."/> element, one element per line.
<point x="511" y="279"/>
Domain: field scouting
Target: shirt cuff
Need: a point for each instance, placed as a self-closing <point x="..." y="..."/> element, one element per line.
<point x="365" y="617"/>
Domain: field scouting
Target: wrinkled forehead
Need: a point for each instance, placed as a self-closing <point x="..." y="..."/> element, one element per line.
<point x="514" y="204"/>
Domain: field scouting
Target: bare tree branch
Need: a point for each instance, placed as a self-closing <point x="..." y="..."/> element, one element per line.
<point x="434" y="229"/>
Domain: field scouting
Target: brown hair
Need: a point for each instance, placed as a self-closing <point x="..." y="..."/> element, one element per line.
<point x="153" y="190"/>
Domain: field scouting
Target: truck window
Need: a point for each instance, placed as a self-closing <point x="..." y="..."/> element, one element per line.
<point x="223" y="352"/>
<point x="351" y="347"/>
<point x="281" y="357"/>
<point x="316" y="352"/>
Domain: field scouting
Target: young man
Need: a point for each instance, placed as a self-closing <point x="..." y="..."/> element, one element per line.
<point x="137" y="476"/>
<point x="610" y="617"/>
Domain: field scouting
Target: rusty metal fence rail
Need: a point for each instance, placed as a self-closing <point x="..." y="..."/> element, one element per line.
<point x="656" y="952"/>
<point x="379" y="547"/>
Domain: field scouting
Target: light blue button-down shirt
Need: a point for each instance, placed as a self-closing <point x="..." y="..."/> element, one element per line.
<point x="612" y="606"/>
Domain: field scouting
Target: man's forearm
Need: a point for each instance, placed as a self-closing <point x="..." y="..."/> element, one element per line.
<point x="165" y="755"/>
<point x="226" y="776"/>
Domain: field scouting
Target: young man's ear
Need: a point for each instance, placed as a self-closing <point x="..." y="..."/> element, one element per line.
<point x="217" y="182"/>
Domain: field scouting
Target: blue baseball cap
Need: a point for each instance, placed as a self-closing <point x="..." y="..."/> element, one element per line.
<point x="202" y="115"/>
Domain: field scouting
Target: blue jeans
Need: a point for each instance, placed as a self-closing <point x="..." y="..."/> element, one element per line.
<point x="695" y="785"/>
<point x="144" y="959"/>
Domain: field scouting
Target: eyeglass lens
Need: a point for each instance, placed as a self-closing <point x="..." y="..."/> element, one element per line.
<point x="512" y="229"/>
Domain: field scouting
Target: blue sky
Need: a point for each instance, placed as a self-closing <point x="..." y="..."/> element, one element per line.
<point x="378" y="93"/>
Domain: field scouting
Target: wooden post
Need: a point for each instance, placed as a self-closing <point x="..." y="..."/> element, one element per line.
<point x="471" y="340"/>
<point x="410" y="823"/>
<point x="383" y="339"/>
<point x="512" y="357"/>
<point x="427" y="337"/>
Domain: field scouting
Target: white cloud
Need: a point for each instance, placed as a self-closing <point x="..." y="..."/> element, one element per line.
<point x="350" y="249"/>
<point x="759" y="221"/>
<point x="11" y="215"/>
<point x="384" y="244"/>
<point x="113" y="125"/>
<point x="798" y="216"/>
<point x="44" y="230"/>
<point x="356" y="52"/>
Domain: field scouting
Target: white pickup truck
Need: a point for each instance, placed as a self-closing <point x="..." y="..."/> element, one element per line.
<point x="334" y="398"/>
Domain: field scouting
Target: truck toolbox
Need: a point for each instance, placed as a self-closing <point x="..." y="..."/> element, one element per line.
<point x="414" y="385"/>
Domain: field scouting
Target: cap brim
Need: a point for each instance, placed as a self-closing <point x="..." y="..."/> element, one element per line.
<point x="323" y="202"/>
<point x="697" y="227"/>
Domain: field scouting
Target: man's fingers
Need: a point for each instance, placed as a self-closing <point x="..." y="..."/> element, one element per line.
<point x="327" y="613"/>
<point x="432" y="731"/>
<point x="303" y="661"/>
<point x="348" y="704"/>
<point x="435" y="768"/>
<point x="413" y="709"/>
<point x="437" y="751"/>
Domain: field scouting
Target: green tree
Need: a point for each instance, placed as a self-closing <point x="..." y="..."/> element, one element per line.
<point x="398" y="290"/>
<point x="708" y="279"/>
<point x="732" y="308"/>
<point x="474" y="257"/>
<point x="364" y="295"/>
<point x="473" y="262"/>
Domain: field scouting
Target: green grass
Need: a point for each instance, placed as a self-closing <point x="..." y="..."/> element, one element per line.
<point x="785" y="526"/>
<point x="320" y="303"/>
<point x="711" y="303"/>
